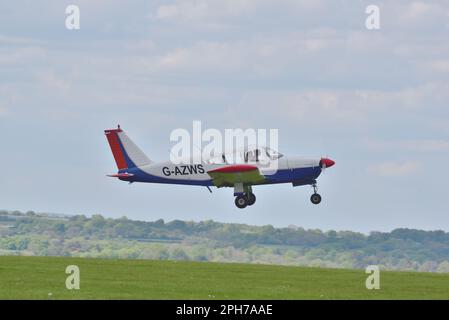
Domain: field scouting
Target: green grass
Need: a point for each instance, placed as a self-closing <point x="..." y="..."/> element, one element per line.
<point x="44" y="278"/>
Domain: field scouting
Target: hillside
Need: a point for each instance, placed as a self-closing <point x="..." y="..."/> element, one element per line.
<point x="98" y="237"/>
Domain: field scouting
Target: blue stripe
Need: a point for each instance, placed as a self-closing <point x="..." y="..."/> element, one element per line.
<point x="128" y="160"/>
<point x="306" y="175"/>
<point x="300" y="176"/>
<point x="141" y="176"/>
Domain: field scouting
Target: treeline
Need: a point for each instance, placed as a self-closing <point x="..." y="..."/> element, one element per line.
<point x="44" y="234"/>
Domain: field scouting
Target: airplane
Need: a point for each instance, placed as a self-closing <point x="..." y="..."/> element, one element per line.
<point x="134" y="166"/>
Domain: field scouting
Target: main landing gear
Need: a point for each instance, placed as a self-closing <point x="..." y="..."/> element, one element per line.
<point x="244" y="196"/>
<point x="244" y="200"/>
<point x="315" y="197"/>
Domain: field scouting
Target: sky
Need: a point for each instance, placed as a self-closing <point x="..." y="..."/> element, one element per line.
<point x="375" y="101"/>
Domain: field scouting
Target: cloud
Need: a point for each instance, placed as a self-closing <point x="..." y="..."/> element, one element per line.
<point x="351" y="108"/>
<point x="12" y="40"/>
<point x="2" y="110"/>
<point x="50" y="79"/>
<point x="419" y="16"/>
<point x="421" y="9"/>
<point x="21" y="55"/>
<point x="438" y="65"/>
<point x="395" y="169"/>
<point x="428" y="145"/>
<point x="9" y="96"/>
<point x="414" y="145"/>
<point x="203" y="10"/>
<point x="315" y="55"/>
<point x="258" y="55"/>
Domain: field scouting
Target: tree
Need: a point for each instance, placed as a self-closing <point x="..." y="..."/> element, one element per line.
<point x="59" y="228"/>
<point x="179" y="254"/>
<point x="443" y="267"/>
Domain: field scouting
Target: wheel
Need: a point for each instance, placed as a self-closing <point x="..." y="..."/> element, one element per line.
<point x="315" y="198"/>
<point x="251" y="199"/>
<point x="241" y="202"/>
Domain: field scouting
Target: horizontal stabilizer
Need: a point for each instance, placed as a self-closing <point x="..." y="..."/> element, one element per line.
<point x="120" y="175"/>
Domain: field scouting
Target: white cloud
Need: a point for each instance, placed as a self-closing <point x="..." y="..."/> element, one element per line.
<point x="167" y="11"/>
<point x="2" y="110"/>
<point x="315" y="55"/>
<point x="53" y="81"/>
<point x="428" y="145"/>
<point x="318" y="107"/>
<point x="416" y="15"/>
<point x="415" y="145"/>
<point x="204" y="10"/>
<point x="11" y="40"/>
<point x="438" y="65"/>
<point x="8" y="97"/>
<point x="420" y="9"/>
<point x="21" y="55"/>
<point x="395" y="169"/>
<point x="261" y="54"/>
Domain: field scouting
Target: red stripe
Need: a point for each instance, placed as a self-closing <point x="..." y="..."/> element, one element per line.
<point x="115" y="147"/>
<point x="235" y="168"/>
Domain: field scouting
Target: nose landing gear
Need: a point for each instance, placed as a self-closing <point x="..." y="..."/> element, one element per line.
<point x="315" y="198"/>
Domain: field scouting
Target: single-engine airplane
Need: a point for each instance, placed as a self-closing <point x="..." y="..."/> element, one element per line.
<point x="134" y="166"/>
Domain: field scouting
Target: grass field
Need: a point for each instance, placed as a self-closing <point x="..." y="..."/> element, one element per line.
<point x="44" y="278"/>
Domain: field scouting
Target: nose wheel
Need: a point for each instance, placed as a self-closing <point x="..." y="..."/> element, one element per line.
<point x="315" y="198"/>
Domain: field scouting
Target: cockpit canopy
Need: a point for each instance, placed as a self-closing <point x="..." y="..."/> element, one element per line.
<point x="248" y="155"/>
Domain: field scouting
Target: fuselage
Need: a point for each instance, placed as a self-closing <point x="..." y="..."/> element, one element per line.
<point x="299" y="171"/>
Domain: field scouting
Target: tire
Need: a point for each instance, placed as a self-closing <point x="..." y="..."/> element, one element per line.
<point x="251" y="198"/>
<point x="315" y="198"/>
<point x="241" y="202"/>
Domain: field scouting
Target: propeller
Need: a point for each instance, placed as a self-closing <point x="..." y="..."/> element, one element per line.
<point x="325" y="162"/>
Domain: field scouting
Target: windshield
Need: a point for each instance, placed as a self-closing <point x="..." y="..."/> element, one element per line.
<point x="218" y="160"/>
<point x="272" y="154"/>
<point x="258" y="154"/>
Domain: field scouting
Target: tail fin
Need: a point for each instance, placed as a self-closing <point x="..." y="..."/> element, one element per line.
<point x="126" y="153"/>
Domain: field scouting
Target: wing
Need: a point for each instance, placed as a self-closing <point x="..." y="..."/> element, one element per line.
<point x="228" y="176"/>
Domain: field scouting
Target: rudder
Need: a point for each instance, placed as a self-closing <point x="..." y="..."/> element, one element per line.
<point x="126" y="153"/>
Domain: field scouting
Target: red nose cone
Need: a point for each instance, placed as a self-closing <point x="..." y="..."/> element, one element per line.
<point x="327" y="162"/>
